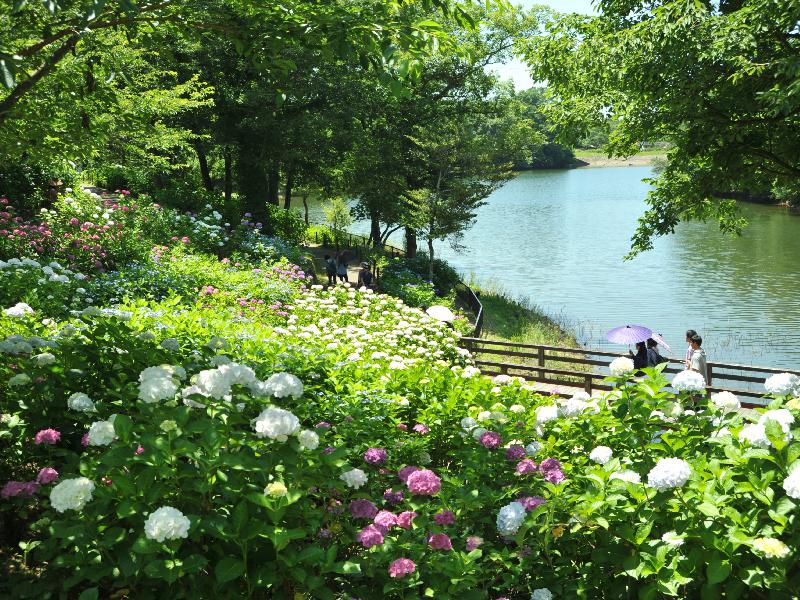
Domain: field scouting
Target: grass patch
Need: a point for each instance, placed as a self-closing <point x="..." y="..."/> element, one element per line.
<point x="513" y="320"/>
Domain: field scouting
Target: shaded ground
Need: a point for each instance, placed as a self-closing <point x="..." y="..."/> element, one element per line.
<point x="318" y="252"/>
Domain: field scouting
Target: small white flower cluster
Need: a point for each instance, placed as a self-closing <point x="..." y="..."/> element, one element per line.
<point x="546" y="413"/>
<point x="160" y="383"/>
<point x="101" y="433"/>
<point x="627" y="475"/>
<point x="783" y="384"/>
<point x="276" y="424"/>
<point x="18" y="344"/>
<point x="354" y="478"/>
<point x="510" y="518"/>
<point x="283" y="385"/>
<point x="542" y="594"/>
<point x="621" y="366"/>
<point x="726" y="402"/>
<point x="19" y="310"/>
<point x="71" y="494"/>
<point x="601" y="454"/>
<point x="669" y="473"/>
<point x="689" y="381"/>
<point x="166" y="523"/>
<point x="792" y="482"/>
<point x="217" y="383"/>
<point x="80" y="402"/>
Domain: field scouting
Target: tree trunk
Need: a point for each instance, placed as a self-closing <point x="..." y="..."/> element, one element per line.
<point x="287" y="193"/>
<point x="375" y="231"/>
<point x="411" y="242"/>
<point x="274" y="186"/>
<point x="305" y="208"/>
<point x="228" y="155"/>
<point x="205" y="173"/>
<point x="430" y="256"/>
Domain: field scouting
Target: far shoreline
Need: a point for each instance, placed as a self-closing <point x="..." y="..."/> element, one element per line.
<point x="598" y="160"/>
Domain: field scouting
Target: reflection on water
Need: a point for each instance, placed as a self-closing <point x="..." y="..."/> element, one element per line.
<point x="558" y="238"/>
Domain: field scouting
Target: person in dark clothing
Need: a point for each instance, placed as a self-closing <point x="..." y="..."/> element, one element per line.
<point x="330" y="269"/>
<point x="653" y="357"/>
<point x="640" y="358"/>
<point x="365" y="278"/>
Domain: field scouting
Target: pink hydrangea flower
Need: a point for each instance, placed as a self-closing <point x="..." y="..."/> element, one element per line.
<point x="376" y="456"/>
<point x="421" y="429"/>
<point x="370" y="536"/>
<point x="85" y="440"/>
<point x="402" y="567"/>
<point x="322" y="425"/>
<point x="405" y="518"/>
<point x="393" y="497"/>
<point x="363" y="509"/>
<point x="405" y="472"/>
<point x="12" y="489"/>
<point x="446" y="517"/>
<point x="385" y="519"/>
<point x="440" y="541"/>
<point x="526" y="467"/>
<point x="402" y="426"/>
<point x="424" y="482"/>
<point x="531" y="502"/>
<point x="554" y="476"/>
<point x="549" y="464"/>
<point x="47" y="436"/>
<point x="47" y="475"/>
<point x="473" y="542"/>
<point x="491" y="440"/>
<point x="515" y="452"/>
<point x="329" y="450"/>
<point x="139" y="450"/>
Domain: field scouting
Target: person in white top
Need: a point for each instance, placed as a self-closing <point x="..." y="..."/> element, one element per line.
<point x="698" y="361"/>
<point x="690" y="333"/>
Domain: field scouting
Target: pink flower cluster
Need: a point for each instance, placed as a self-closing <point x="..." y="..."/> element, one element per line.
<point x="423" y="482"/>
<point x="402" y="567"/>
<point x="26" y="489"/>
<point x="376" y="456"/>
<point x="47" y="436"/>
<point x="491" y="440"/>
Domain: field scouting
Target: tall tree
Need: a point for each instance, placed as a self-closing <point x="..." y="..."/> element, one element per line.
<point x="719" y="79"/>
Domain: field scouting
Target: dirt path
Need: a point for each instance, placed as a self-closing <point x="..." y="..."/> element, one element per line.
<point x="319" y="252"/>
<point x="636" y="160"/>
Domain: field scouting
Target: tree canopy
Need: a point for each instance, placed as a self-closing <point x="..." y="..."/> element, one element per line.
<point x="719" y="79"/>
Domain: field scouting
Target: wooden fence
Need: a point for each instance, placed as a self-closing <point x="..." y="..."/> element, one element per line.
<point x="530" y="361"/>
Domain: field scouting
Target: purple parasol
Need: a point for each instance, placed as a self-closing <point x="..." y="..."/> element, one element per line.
<point x="628" y="334"/>
<point x="661" y="341"/>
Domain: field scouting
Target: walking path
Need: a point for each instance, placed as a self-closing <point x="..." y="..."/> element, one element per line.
<point x="318" y="252"/>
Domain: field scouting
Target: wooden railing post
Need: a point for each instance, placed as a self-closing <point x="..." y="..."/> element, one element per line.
<point x="587" y="385"/>
<point x="541" y="362"/>
<point x="709" y="375"/>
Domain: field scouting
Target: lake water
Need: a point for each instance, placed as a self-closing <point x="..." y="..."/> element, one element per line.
<point x="558" y="238"/>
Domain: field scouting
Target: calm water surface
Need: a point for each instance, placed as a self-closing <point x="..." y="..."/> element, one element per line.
<point x="558" y="239"/>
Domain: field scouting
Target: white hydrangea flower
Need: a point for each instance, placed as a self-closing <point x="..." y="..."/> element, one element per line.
<point x="510" y="518"/>
<point x="601" y="454"/>
<point x="673" y="539"/>
<point x="237" y="374"/>
<point x="726" y="401"/>
<point x="355" y="478"/>
<point x="669" y="473"/>
<point x="792" y="483"/>
<point x="101" y="433"/>
<point x="572" y="407"/>
<point x="533" y="448"/>
<point x="621" y="366"/>
<point x="783" y="384"/>
<point x="469" y="372"/>
<point x="627" y="475"/>
<point x="282" y="385"/>
<point x="542" y="594"/>
<point x="166" y="523"/>
<point x="217" y="343"/>
<point x="546" y="413"/>
<point x="44" y="359"/>
<point x="771" y="547"/>
<point x="155" y="389"/>
<point x="20" y="309"/>
<point x="484" y="415"/>
<point x="212" y="383"/>
<point x="80" y="402"/>
<point x="502" y="379"/>
<point x="516" y="409"/>
<point x="468" y="423"/>
<point x="478" y="432"/>
<point x="781" y="416"/>
<point x="276" y="424"/>
<point x="19" y="380"/>
<point x="689" y="381"/>
<point x="71" y="494"/>
<point x="755" y="434"/>
<point x="171" y="344"/>
<point x="308" y="439"/>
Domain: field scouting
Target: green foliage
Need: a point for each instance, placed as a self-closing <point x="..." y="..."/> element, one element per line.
<point x="337" y="214"/>
<point x="286" y="225"/>
<point x="29" y="183"/>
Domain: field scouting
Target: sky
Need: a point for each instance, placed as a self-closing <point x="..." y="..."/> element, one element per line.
<point x="516" y="70"/>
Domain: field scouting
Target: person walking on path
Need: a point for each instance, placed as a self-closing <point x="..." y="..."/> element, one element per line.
<point x="690" y="333"/>
<point x="341" y="268"/>
<point x="330" y="269"/>
<point x="365" y="278"/>
<point x="698" y="360"/>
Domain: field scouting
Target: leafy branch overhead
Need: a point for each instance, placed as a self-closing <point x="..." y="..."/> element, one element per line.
<point x="719" y="80"/>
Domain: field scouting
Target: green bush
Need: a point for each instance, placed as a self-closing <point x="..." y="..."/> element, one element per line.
<point x="287" y="225"/>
